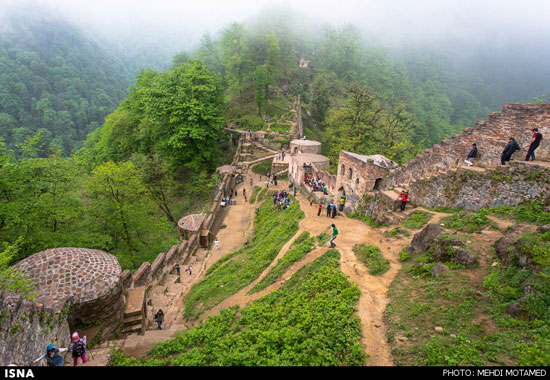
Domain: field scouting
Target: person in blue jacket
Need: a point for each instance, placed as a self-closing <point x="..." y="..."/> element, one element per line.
<point x="510" y="148"/>
<point x="53" y="359"/>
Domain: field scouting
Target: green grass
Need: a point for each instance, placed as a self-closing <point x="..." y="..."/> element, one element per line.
<point x="371" y="256"/>
<point x="238" y="269"/>
<point x="397" y="231"/>
<point x="364" y="218"/>
<point x="310" y="321"/>
<point x="417" y="219"/>
<point x="255" y="192"/>
<point x="469" y="221"/>
<point x="530" y="212"/>
<point x="262" y="168"/>
<point x="323" y="239"/>
<point x="476" y="328"/>
<point x="294" y="255"/>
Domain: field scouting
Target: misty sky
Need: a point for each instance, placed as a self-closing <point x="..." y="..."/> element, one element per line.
<point x="426" y="21"/>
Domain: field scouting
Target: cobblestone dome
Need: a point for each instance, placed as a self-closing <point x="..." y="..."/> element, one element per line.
<point x="59" y="273"/>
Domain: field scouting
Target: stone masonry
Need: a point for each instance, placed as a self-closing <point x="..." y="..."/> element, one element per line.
<point x="90" y="278"/>
<point x="491" y="137"/>
<point x="358" y="174"/>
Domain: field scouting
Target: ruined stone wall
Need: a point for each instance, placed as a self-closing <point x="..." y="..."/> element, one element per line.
<point x="356" y="177"/>
<point x="27" y="327"/>
<point x="491" y="137"/>
<point x="471" y="190"/>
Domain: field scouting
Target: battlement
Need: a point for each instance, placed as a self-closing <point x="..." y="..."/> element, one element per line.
<point x="491" y="136"/>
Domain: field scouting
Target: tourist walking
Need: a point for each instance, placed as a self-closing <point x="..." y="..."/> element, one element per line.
<point x="190" y="270"/>
<point x="329" y="207"/>
<point x="251" y="182"/>
<point x="311" y="201"/>
<point x="510" y="148"/>
<point x="294" y="190"/>
<point x="334" y="234"/>
<point x="537" y="136"/>
<point x="159" y="318"/>
<point x="78" y="348"/>
<point x="341" y="204"/>
<point x="267" y="184"/>
<point x="217" y="244"/>
<point x="472" y="154"/>
<point x="320" y="208"/>
<point x="404" y="198"/>
<point x="53" y="359"/>
<point x="178" y="269"/>
<point x="333" y="211"/>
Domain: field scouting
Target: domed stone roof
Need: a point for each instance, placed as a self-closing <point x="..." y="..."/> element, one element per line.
<point x="81" y="273"/>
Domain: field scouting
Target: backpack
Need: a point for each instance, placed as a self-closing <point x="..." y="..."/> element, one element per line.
<point x="79" y="348"/>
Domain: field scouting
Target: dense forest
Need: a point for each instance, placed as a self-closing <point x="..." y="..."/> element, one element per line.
<point x="55" y="80"/>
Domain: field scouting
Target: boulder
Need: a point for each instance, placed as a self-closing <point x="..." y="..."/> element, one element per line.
<point x="543" y="229"/>
<point x="502" y="247"/>
<point x="439" y="269"/>
<point x="463" y="257"/>
<point x="425" y="238"/>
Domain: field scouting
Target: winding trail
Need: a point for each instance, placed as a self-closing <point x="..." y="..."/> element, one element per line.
<point x="373" y="300"/>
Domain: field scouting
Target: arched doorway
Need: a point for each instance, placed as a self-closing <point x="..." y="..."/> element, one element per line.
<point x="377" y="184"/>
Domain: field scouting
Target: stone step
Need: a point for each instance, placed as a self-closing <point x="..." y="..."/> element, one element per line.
<point x="132" y="328"/>
<point x="132" y="320"/>
<point x="134" y="304"/>
<point x="171" y="279"/>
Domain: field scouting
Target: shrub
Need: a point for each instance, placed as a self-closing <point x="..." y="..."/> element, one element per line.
<point x="417" y="219"/>
<point x="309" y="321"/>
<point x="469" y="222"/>
<point x="372" y="257"/>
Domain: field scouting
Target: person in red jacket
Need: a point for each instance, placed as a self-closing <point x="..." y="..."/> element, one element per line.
<point x="404" y="198"/>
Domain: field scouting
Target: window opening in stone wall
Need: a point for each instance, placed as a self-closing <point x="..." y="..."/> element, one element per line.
<point x="343" y="170"/>
<point x="350" y="173"/>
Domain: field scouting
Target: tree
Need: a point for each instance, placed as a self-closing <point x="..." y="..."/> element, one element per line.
<point x="184" y="107"/>
<point x="235" y="57"/>
<point x="261" y="86"/>
<point x="120" y="208"/>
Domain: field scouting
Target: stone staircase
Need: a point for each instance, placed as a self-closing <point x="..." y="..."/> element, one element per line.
<point x="134" y="316"/>
<point x="139" y="337"/>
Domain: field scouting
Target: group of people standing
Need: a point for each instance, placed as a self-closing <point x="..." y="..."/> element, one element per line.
<point x="271" y="179"/>
<point x="510" y="149"/>
<point x="281" y="199"/>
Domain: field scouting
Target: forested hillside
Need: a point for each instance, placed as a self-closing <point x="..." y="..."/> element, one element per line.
<point x="355" y="95"/>
<point x="55" y="80"/>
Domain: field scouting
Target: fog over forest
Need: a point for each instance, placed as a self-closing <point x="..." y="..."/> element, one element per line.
<point x="458" y="25"/>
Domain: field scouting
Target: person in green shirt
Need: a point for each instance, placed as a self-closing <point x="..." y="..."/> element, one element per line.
<point x="334" y="234"/>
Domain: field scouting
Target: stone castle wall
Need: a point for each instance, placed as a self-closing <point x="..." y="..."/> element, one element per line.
<point x="491" y="137"/>
<point x="355" y="178"/>
<point x="471" y="190"/>
<point x="27" y="327"/>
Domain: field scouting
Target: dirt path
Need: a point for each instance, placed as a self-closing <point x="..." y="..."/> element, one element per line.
<point x="373" y="300"/>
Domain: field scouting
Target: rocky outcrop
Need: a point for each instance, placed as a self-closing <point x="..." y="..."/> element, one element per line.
<point x="425" y="238"/>
<point x="439" y="269"/>
<point x="440" y="246"/>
